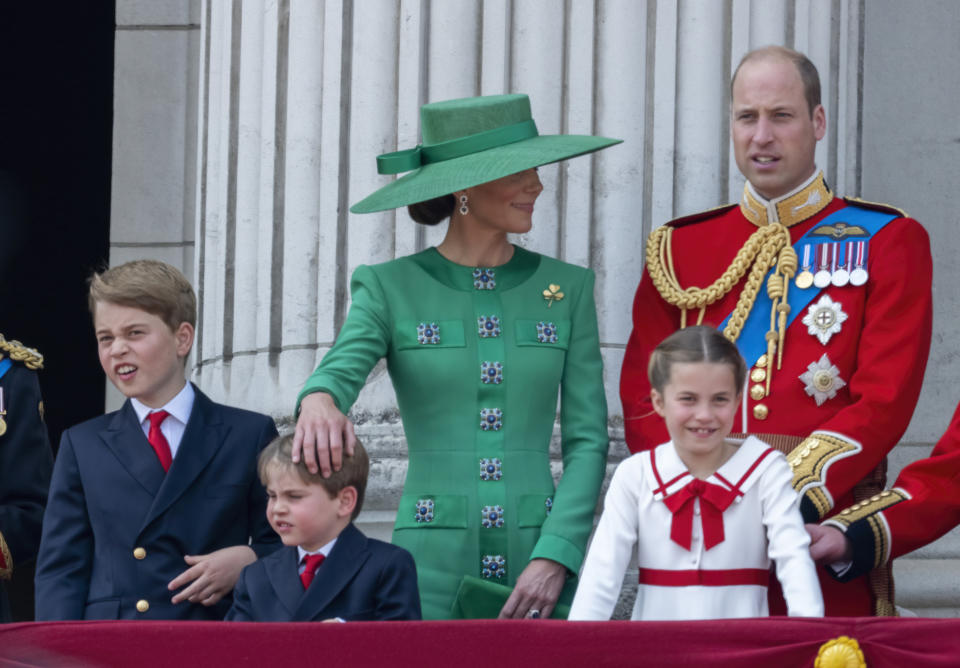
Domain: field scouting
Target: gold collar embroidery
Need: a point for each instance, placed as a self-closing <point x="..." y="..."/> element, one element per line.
<point x="790" y="209"/>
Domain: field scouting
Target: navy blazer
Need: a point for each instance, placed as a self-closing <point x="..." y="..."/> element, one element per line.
<point x="116" y="527"/>
<point x="361" y="580"/>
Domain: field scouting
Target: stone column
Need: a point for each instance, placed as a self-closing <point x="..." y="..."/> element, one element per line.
<point x="153" y="190"/>
<point x="298" y="97"/>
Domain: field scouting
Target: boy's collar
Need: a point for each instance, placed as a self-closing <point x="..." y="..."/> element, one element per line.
<point x="179" y="407"/>
<point x="325" y="551"/>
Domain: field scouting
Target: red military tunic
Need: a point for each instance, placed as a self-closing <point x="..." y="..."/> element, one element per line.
<point x="879" y="354"/>
<point x="923" y="504"/>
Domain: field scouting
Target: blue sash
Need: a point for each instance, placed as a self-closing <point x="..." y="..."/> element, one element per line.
<point x="752" y="342"/>
<point x="5" y="365"/>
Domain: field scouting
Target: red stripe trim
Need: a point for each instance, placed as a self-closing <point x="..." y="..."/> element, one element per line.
<point x="726" y="482"/>
<point x="662" y="487"/>
<point x="653" y="465"/>
<point x="743" y="479"/>
<point x="716" y="578"/>
<point x="751" y="470"/>
<point x="656" y="473"/>
<point x="677" y="478"/>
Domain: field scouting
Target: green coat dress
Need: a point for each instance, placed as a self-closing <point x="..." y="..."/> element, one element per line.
<point x="476" y="357"/>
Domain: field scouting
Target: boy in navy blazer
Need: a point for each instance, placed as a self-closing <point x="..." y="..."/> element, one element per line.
<point x="156" y="508"/>
<point x="328" y="570"/>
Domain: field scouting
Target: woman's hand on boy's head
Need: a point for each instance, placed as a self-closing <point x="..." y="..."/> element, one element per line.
<point x="828" y="545"/>
<point x="322" y="434"/>
<point x="211" y="576"/>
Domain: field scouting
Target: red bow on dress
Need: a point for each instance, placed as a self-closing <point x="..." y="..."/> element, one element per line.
<point x="714" y="499"/>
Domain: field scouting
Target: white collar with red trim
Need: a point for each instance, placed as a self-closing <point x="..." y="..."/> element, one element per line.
<point x="668" y="474"/>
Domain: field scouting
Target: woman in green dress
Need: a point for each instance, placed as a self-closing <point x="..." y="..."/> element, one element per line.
<point x="479" y="337"/>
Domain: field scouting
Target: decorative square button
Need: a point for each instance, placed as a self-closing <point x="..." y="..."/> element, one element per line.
<point x="491" y="419"/>
<point x="483" y="279"/>
<point x="424" y="510"/>
<point x="491" y="517"/>
<point x="493" y="566"/>
<point x="488" y="327"/>
<point x="549" y="505"/>
<point x="490" y="469"/>
<point x="491" y="373"/>
<point x="428" y="333"/>
<point x="546" y="332"/>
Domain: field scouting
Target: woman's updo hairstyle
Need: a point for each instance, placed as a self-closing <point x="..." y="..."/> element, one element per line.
<point x="692" y="345"/>
<point x="433" y="211"/>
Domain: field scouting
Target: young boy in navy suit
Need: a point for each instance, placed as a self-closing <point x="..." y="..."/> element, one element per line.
<point x="328" y="570"/>
<point x="156" y="508"/>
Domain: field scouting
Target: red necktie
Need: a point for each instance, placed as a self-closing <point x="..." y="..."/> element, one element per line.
<point x="311" y="564"/>
<point x="158" y="440"/>
<point x="714" y="499"/>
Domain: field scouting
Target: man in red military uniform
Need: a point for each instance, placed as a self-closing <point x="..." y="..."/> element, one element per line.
<point x="922" y="505"/>
<point x="827" y="298"/>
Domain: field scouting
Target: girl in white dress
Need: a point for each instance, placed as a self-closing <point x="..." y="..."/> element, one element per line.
<point x="706" y="513"/>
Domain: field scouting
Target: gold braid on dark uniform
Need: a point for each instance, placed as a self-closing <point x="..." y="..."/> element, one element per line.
<point x="18" y="352"/>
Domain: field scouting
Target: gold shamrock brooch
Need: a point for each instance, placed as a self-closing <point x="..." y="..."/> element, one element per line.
<point x="552" y="294"/>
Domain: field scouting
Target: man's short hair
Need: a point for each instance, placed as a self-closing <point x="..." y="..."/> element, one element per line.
<point x="149" y="285"/>
<point x="805" y="68"/>
<point x="353" y="472"/>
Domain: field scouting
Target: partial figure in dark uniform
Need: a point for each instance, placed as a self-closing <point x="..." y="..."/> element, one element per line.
<point x="25" y="461"/>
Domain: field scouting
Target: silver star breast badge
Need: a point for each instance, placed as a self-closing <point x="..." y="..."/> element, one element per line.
<point x="824" y="318"/>
<point x="822" y="380"/>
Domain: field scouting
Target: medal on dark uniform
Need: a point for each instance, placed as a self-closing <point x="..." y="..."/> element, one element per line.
<point x="821" y="279"/>
<point x="859" y="274"/>
<point x="3" y="411"/>
<point x="805" y="279"/>
<point x="841" y="272"/>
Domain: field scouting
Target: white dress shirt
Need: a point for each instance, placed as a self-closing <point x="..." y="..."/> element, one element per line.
<point x="303" y="554"/>
<point x="173" y="427"/>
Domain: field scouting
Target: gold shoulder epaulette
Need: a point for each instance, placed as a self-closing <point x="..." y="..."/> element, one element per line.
<point x="18" y="352"/>
<point x="702" y="215"/>
<point x="810" y="461"/>
<point x="876" y="206"/>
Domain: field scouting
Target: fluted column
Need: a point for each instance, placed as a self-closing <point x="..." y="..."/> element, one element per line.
<point x="298" y="97"/>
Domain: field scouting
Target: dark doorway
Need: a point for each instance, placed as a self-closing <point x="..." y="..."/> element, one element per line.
<point x="56" y="117"/>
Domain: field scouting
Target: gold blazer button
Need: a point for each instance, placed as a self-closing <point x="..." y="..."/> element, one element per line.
<point x="142" y="605"/>
<point x="139" y="553"/>
<point x="760" y="411"/>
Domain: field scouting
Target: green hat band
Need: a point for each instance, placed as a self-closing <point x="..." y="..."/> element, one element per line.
<point x="413" y="158"/>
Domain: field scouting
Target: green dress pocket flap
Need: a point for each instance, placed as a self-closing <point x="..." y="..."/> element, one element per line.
<point x="543" y="333"/>
<point x="427" y="334"/>
<point x="437" y="511"/>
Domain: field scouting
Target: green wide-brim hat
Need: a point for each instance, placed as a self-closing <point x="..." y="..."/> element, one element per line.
<point x="467" y="142"/>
